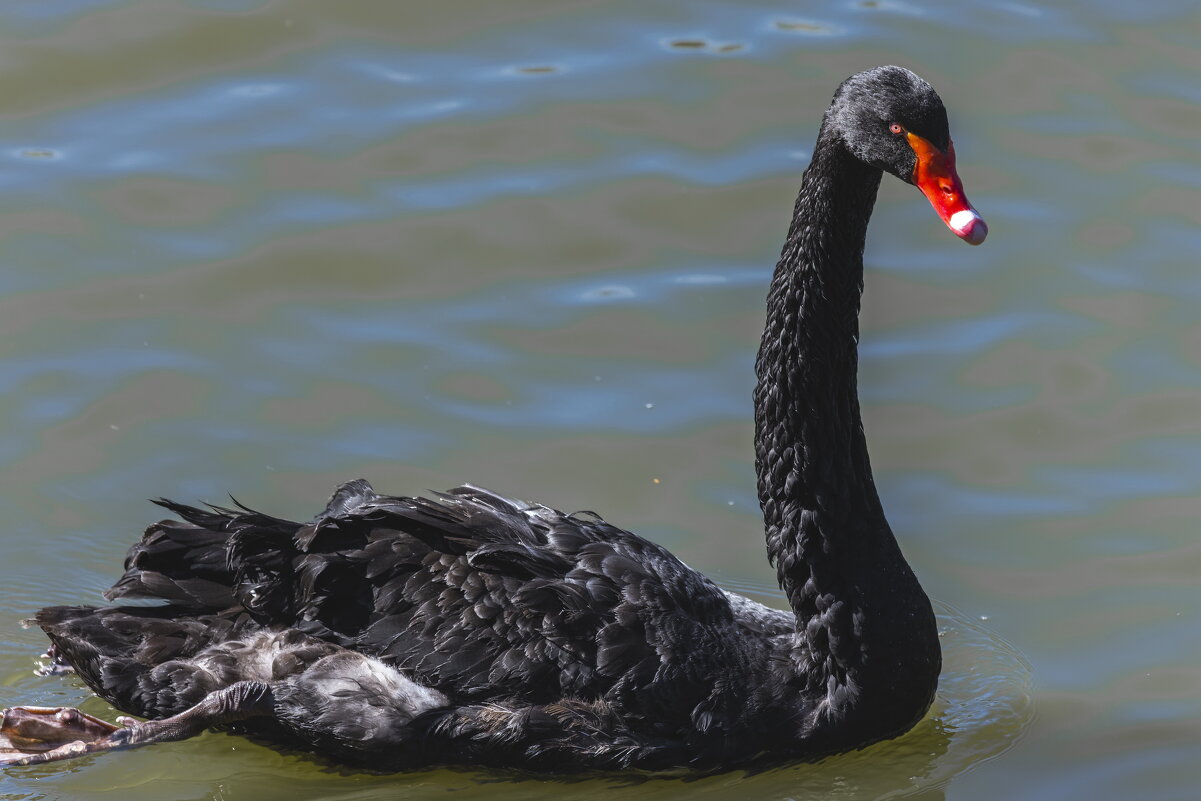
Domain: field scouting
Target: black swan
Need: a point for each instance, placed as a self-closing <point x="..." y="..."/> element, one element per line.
<point x="395" y="632"/>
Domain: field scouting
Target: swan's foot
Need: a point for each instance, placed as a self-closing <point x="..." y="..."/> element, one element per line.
<point x="57" y="666"/>
<point x="30" y="735"/>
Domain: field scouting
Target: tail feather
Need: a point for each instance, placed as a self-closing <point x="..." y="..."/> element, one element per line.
<point x="180" y="563"/>
<point x="278" y="570"/>
<point x="216" y="558"/>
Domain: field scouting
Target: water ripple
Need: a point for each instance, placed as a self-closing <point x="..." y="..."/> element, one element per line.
<point x="972" y="335"/>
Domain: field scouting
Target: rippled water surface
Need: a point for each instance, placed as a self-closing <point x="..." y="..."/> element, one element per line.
<point x="262" y="247"/>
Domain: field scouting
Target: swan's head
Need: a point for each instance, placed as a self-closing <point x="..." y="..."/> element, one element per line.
<point x="890" y="118"/>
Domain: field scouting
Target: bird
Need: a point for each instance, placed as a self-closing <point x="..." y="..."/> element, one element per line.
<point x="465" y="627"/>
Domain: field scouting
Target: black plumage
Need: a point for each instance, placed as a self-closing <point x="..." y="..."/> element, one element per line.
<point x="468" y="627"/>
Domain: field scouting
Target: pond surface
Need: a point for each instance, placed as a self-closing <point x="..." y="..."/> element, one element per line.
<point x="263" y="247"/>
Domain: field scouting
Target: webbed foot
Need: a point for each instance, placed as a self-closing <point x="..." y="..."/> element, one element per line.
<point x="31" y="734"/>
<point x="56" y="666"/>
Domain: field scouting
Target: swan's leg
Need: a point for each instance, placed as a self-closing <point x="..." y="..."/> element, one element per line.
<point x="29" y="730"/>
<point x="26" y="729"/>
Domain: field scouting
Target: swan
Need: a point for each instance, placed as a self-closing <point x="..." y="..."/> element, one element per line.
<point x="471" y="628"/>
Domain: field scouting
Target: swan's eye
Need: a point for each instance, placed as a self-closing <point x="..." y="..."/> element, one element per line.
<point x="896" y="128"/>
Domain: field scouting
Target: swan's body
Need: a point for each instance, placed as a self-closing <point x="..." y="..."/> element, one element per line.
<point x="392" y="632"/>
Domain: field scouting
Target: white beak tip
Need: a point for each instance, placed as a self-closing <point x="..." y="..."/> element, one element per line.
<point x="969" y="226"/>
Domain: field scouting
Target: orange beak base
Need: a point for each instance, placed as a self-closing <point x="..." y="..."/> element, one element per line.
<point x="935" y="175"/>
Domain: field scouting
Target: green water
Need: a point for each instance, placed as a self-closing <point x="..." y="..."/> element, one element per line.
<point x="262" y="247"/>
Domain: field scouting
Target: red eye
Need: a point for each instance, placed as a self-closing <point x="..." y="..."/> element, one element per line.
<point x="896" y="128"/>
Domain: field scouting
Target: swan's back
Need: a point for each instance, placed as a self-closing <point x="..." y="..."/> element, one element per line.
<point x="471" y="595"/>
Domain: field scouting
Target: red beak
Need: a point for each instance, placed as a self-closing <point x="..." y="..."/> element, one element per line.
<point x="935" y="175"/>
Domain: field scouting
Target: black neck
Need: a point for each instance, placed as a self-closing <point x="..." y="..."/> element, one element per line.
<point x="814" y="475"/>
<point x="835" y="556"/>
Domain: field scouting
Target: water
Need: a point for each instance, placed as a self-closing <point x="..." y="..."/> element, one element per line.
<point x="260" y="248"/>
